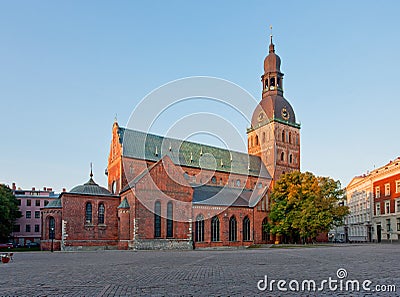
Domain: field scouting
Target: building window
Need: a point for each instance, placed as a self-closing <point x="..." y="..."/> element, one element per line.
<point x="290" y="137"/>
<point x="238" y="183"/>
<point x="256" y="140"/>
<point x="88" y="213"/>
<point x="28" y="214"/>
<point x="263" y="137"/>
<point x="37" y="228"/>
<point x="388" y="226"/>
<point x="101" y="213"/>
<point x="282" y="156"/>
<point x="264" y="230"/>
<point x="214" y="180"/>
<point x="157" y="219"/>
<point x="232" y="229"/>
<point x="19" y="202"/>
<point x="28" y="228"/>
<point x="246" y="229"/>
<point x="28" y="202"/>
<point x="283" y="136"/>
<point x="377" y="192"/>
<point x="398" y="186"/>
<point x="387" y="207"/>
<point x="16" y="228"/>
<point x="170" y="221"/>
<point x="291" y="159"/>
<point x="199" y="228"/>
<point x="215" y="229"/>
<point x="46" y="202"/>
<point x="37" y="202"/>
<point x="37" y="214"/>
<point x="398" y="224"/>
<point x="387" y="189"/>
<point x="259" y="185"/>
<point x="52" y="228"/>
<point x="398" y="205"/>
<point x="378" y="209"/>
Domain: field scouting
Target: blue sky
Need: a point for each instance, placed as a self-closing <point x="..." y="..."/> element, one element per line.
<point x="66" y="69"/>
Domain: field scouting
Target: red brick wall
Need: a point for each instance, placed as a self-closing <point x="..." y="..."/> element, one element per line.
<point x="45" y="243"/>
<point x="393" y="195"/>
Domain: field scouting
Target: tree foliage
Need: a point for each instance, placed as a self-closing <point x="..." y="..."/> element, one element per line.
<point x="9" y="212"/>
<point x="303" y="205"/>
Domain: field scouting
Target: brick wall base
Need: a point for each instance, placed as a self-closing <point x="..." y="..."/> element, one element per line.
<point x="161" y="244"/>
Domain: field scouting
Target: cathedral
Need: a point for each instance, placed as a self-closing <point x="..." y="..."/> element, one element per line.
<point x="166" y="193"/>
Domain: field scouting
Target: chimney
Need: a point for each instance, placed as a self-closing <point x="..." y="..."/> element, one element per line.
<point x="44" y="189"/>
<point x="64" y="190"/>
<point x="14" y="187"/>
<point x="33" y="189"/>
<point x="49" y="189"/>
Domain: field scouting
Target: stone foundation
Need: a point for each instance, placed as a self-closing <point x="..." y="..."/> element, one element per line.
<point x="161" y="244"/>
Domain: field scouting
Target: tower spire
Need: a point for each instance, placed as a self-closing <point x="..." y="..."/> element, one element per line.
<point x="271" y="44"/>
<point x="91" y="169"/>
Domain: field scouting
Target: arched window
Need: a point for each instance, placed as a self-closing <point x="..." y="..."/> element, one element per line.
<point x="214" y="180"/>
<point x="88" y="214"/>
<point x="101" y="213"/>
<point x="256" y="140"/>
<point x="283" y="136"/>
<point x="157" y="219"/>
<point x="215" y="229"/>
<point x="272" y="82"/>
<point x="52" y="228"/>
<point x="290" y="137"/>
<point x="290" y="158"/>
<point x="238" y="183"/>
<point x="199" y="230"/>
<point x="170" y="221"/>
<point x="282" y="156"/>
<point x="232" y="229"/>
<point x="264" y="230"/>
<point x="246" y="229"/>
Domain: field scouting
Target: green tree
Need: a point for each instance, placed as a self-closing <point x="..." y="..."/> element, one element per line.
<point x="303" y="205"/>
<point x="9" y="212"/>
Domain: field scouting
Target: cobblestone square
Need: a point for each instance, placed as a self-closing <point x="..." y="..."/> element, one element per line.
<point x="196" y="273"/>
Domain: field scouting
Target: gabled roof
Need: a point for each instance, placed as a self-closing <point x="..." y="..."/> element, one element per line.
<point x="224" y="196"/>
<point x="124" y="204"/>
<point x="145" y="146"/>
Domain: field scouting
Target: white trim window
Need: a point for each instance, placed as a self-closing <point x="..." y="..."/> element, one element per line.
<point x="387" y="189"/>
<point x="397" y="186"/>
<point x="387" y="206"/>
<point x="377" y="192"/>
<point x="378" y="209"/>
<point x="397" y="205"/>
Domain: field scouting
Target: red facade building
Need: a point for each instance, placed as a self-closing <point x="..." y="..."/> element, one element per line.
<point x="165" y="193"/>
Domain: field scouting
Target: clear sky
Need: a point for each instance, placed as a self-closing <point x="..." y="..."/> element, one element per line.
<point x="67" y="67"/>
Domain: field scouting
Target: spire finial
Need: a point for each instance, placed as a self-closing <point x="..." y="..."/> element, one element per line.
<point x="115" y="118"/>
<point x="271" y="45"/>
<point x="91" y="169"/>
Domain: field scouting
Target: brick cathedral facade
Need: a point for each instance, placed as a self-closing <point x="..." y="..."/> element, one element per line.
<point x="165" y="193"/>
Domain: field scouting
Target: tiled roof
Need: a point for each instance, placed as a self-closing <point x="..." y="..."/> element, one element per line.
<point x="145" y="146"/>
<point x="56" y="203"/>
<point x="124" y="204"/>
<point x="90" y="188"/>
<point x="224" y="196"/>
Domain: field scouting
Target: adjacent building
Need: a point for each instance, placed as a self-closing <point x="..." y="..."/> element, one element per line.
<point x="28" y="228"/>
<point x="374" y="201"/>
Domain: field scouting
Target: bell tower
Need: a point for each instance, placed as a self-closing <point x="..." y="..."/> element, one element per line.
<point x="274" y="134"/>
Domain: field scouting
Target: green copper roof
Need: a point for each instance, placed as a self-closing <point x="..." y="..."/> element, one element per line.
<point x="90" y="188"/>
<point x="124" y="204"/>
<point x="145" y="146"/>
<point x="56" y="203"/>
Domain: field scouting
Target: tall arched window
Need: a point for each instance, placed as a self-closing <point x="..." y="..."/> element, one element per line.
<point x="256" y="140"/>
<point x="264" y="230"/>
<point x="283" y="136"/>
<point x="282" y="156"/>
<point x="170" y="222"/>
<point x="157" y="219"/>
<point x="52" y="228"/>
<point x="290" y="137"/>
<point x="246" y="228"/>
<point x="101" y="213"/>
<point x="232" y="229"/>
<point x="215" y="229"/>
<point x="88" y="214"/>
<point x="199" y="230"/>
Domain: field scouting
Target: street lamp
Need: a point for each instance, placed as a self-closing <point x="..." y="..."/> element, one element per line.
<point x="52" y="238"/>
